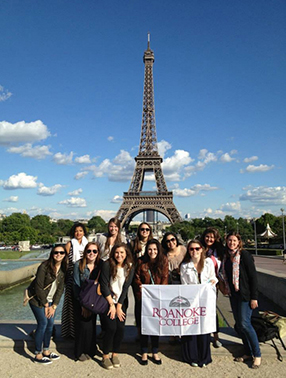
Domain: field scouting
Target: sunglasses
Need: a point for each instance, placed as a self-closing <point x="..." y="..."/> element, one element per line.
<point x="145" y="229"/>
<point x="95" y="251"/>
<point x="59" y="253"/>
<point x="171" y="240"/>
<point x="195" y="248"/>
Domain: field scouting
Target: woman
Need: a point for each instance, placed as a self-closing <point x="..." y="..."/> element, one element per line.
<point x="88" y="267"/>
<point x="138" y="247"/>
<point x="153" y="269"/>
<point x="175" y="253"/>
<point x="46" y="291"/>
<point x="211" y="240"/>
<point x="75" y="250"/>
<point x="115" y="279"/>
<point x="112" y="237"/>
<point x="197" y="269"/>
<point x="240" y="281"/>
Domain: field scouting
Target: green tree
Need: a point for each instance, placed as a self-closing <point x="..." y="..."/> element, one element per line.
<point x="15" y="222"/>
<point x="97" y="224"/>
<point x="42" y="224"/>
<point x="63" y="227"/>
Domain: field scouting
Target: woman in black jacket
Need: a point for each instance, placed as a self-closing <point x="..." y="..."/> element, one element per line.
<point x="46" y="291"/>
<point x="240" y="280"/>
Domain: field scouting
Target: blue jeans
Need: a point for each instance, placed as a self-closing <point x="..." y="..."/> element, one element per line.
<point x="242" y="315"/>
<point x="44" y="329"/>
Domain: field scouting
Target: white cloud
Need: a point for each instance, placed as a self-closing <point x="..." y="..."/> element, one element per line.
<point x="63" y="159"/>
<point x="48" y="191"/>
<point x="11" y="199"/>
<point x="19" y="181"/>
<point x="27" y="150"/>
<point x="231" y="207"/>
<point x="194" y="190"/>
<point x="110" y="138"/>
<point x="80" y="175"/>
<point x="104" y="214"/>
<point x="250" y="159"/>
<point x="85" y="159"/>
<point x="117" y="199"/>
<point x="226" y="158"/>
<point x="76" y="192"/>
<point x="172" y="166"/>
<point x="257" y="168"/>
<point x="4" y="94"/>
<point x="74" y="202"/>
<point x="263" y="195"/>
<point x="22" y="132"/>
<point x="163" y="147"/>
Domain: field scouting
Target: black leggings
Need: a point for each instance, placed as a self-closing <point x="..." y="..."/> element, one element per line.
<point x="114" y="333"/>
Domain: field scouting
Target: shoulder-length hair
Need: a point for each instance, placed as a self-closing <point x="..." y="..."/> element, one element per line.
<point x="137" y="245"/>
<point x="234" y="233"/>
<point x="82" y="261"/>
<point x="164" y="240"/>
<point x="51" y="262"/>
<point x="127" y="263"/>
<point x="156" y="266"/>
<point x="76" y="225"/>
<point x="188" y="257"/>
<point x="217" y="245"/>
<point x="118" y="237"/>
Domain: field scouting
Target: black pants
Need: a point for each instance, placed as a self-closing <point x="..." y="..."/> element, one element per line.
<point x="196" y="349"/>
<point x="85" y="333"/>
<point x="154" y="343"/>
<point x="114" y="333"/>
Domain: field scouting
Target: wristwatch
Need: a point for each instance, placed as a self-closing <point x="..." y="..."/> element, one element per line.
<point x="54" y="306"/>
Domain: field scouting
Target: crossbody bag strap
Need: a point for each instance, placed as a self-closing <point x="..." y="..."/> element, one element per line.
<point x="152" y="281"/>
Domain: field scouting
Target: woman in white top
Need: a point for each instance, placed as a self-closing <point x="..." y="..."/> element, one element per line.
<point x="115" y="279"/>
<point x="197" y="269"/>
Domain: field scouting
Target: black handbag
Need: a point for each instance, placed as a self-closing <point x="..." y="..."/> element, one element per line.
<point x="91" y="298"/>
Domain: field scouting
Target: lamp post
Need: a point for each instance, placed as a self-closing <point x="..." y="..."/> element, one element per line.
<point x="255" y="236"/>
<point x="283" y="227"/>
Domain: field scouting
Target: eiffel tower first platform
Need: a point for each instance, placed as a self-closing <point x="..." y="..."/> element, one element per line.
<point x="148" y="159"/>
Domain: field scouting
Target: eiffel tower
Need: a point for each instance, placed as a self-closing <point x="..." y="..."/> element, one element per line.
<point x="148" y="159"/>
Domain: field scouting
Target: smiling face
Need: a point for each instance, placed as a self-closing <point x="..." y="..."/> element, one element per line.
<point x="195" y="250"/>
<point x="113" y="229"/>
<point x="209" y="239"/>
<point x="79" y="233"/>
<point x="120" y="255"/>
<point x="144" y="232"/>
<point x="171" y="242"/>
<point x="152" y="251"/>
<point x="59" y="254"/>
<point x="91" y="254"/>
<point x="232" y="243"/>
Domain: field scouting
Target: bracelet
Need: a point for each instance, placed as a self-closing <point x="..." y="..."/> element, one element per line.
<point x="54" y="306"/>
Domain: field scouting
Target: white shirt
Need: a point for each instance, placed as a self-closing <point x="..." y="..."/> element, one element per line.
<point x="189" y="274"/>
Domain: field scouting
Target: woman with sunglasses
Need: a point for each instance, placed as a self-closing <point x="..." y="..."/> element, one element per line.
<point x="214" y="248"/>
<point x="197" y="269"/>
<point x="138" y="247"/>
<point x="115" y="278"/>
<point x="153" y="269"/>
<point x="108" y="240"/>
<point x="46" y="291"/>
<point x="175" y="253"/>
<point x="240" y="279"/>
<point x="75" y="249"/>
<point x="88" y="267"/>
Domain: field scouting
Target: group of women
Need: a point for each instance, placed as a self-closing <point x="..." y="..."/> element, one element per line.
<point x="145" y="260"/>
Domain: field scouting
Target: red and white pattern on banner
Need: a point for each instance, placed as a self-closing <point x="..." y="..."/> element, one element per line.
<point x="178" y="310"/>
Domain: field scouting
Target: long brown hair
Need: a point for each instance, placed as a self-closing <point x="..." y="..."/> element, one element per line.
<point x="217" y="245"/>
<point x="82" y="262"/>
<point x="118" y="237"/>
<point x="157" y="266"/>
<point x="188" y="257"/>
<point x="137" y="245"/>
<point x="127" y="263"/>
<point x="240" y="244"/>
<point x="51" y="262"/>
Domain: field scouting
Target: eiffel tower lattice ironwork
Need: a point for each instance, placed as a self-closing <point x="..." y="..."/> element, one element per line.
<point x="148" y="160"/>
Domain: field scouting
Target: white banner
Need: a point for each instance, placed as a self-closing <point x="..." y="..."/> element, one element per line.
<point x="178" y="310"/>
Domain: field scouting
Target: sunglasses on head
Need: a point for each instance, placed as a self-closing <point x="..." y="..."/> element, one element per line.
<point x="59" y="253"/>
<point x="144" y="229"/>
<point x="194" y="248"/>
<point x="171" y="240"/>
<point x="95" y="251"/>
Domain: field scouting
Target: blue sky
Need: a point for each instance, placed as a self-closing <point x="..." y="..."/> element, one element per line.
<point x="71" y="91"/>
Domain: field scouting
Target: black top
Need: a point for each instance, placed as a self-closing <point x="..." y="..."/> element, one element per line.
<point x="248" y="285"/>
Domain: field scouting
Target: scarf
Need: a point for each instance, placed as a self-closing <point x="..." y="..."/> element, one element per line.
<point x="235" y="271"/>
<point x="78" y="248"/>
